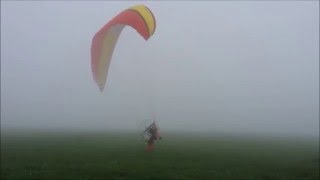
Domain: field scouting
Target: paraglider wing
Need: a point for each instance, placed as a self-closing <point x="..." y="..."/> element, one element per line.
<point x="104" y="41"/>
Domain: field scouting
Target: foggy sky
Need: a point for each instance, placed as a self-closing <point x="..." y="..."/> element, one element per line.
<point x="210" y="66"/>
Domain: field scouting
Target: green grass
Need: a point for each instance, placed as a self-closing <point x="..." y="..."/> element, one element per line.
<point x="177" y="156"/>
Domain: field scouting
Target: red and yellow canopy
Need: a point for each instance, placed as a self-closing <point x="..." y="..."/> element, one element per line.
<point x="103" y="43"/>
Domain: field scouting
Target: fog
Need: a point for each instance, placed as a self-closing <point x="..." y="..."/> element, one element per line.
<point x="210" y="67"/>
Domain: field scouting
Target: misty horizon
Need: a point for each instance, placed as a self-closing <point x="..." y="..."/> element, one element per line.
<point x="250" y="67"/>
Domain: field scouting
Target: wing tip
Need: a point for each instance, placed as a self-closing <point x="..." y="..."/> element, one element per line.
<point x="101" y="88"/>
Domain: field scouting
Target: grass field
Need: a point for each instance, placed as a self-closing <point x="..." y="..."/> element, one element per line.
<point x="177" y="156"/>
